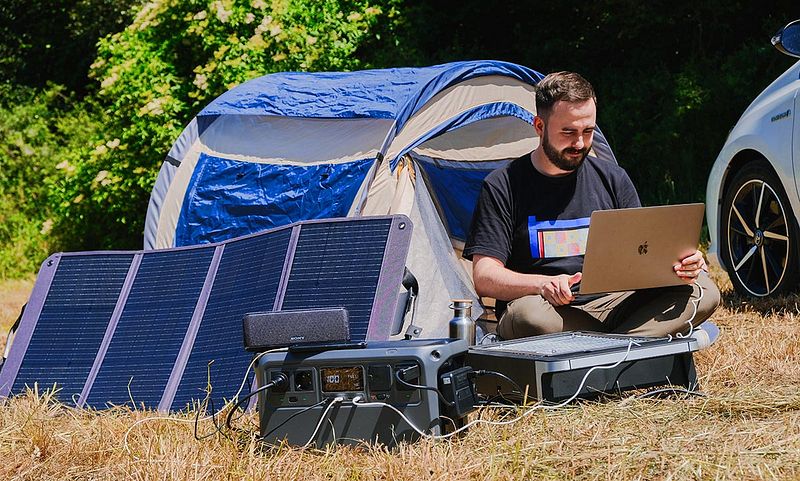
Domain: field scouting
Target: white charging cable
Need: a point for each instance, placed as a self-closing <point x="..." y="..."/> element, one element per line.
<point x="695" y="304"/>
<point x="322" y="419"/>
<point x="356" y="402"/>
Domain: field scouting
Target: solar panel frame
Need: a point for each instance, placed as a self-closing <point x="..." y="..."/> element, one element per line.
<point x="392" y="266"/>
<point x="27" y="325"/>
<point x="279" y="239"/>
<point x="191" y="332"/>
<point x="324" y="274"/>
<point x="151" y="329"/>
<point x="112" y="326"/>
<point x="385" y="302"/>
<point x="33" y="312"/>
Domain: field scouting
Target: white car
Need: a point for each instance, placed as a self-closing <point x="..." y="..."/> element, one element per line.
<point x="752" y="201"/>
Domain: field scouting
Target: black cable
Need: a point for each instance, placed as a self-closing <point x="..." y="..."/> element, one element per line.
<point x="412" y="286"/>
<point x="229" y="417"/>
<point x="208" y="402"/>
<point x="10" y="336"/>
<point x="204" y="407"/>
<point x="280" y="378"/>
<point x="483" y="372"/>
<point x="244" y="411"/>
<point x="427" y="388"/>
<point x="501" y="396"/>
<point x="201" y="408"/>
<point x="295" y="415"/>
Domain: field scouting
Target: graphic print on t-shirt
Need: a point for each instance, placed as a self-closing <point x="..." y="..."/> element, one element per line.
<point x="558" y="238"/>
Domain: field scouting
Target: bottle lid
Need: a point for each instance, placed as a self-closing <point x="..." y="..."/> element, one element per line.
<point x="460" y="303"/>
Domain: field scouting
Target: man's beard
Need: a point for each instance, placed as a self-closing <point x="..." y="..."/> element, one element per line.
<point x="560" y="159"/>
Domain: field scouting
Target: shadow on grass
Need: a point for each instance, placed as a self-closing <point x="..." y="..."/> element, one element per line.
<point x="780" y="305"/>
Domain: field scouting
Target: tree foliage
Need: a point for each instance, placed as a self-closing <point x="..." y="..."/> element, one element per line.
<point x="40" y="131"/>
<point x="173" y="58"/>
<point x="94" y="92"/>
<point x="671" y="77"/>
<point x="53" y="41"/>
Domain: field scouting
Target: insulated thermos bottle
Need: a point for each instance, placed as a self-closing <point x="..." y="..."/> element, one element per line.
<point x="462" y="326"/>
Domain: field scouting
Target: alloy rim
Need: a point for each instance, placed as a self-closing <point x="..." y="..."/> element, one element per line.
<point x="758" y="238"/>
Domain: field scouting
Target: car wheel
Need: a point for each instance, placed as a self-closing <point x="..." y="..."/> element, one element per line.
<point x="759" y="233"/>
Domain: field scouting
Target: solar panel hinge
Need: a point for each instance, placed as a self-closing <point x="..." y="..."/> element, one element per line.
<point x="413" y="332"/>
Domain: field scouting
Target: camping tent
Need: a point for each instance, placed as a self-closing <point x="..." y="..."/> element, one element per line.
<point x="295" y="146"/>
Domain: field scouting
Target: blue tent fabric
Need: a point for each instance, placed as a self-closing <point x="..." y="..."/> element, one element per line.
<point x="395" y="93"/>
<point x="226" y="197"/>
<point x="229" y="198"/>
<point x="456" y="192"/>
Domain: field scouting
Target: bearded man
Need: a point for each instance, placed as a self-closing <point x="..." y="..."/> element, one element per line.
<point x="557" y="187"/>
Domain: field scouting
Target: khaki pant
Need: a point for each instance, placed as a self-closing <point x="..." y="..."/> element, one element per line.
<point x="647" y="312"/>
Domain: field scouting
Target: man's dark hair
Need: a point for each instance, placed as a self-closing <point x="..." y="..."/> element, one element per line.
<point x="566" y="86"/>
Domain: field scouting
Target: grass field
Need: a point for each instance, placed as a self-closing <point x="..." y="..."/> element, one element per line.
<point x="746" y="427"/>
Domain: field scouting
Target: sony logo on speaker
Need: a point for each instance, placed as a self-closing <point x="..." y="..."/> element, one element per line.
<point x="297" y="338"/>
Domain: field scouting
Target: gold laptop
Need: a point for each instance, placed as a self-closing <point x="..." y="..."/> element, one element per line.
<point x="630" y="249"/>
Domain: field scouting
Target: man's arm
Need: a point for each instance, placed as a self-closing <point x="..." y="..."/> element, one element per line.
<point x="493" y="279"/>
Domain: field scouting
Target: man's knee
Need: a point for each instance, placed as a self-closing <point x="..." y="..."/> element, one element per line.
<point x="529" y="316"/>
<point x="709" y="299"/>
<point x="674" y="310"/>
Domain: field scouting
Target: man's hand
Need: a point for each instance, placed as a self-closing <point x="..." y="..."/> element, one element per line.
<point x="690" y="267"/>
<point x="556" y="289"/>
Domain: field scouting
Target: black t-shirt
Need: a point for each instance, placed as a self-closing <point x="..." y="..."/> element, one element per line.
<point x="537" y="224"/>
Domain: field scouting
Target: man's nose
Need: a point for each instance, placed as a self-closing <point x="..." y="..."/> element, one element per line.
<point x="578" y="143"/>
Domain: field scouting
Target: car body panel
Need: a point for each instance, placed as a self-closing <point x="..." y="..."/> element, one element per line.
<point x="796" y="137"/>
<point x="769" y="128"/>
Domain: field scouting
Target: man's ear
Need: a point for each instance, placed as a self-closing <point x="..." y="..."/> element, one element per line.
<point x="538" y="125"/>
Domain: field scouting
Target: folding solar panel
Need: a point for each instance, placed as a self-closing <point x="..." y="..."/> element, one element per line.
<point x="72" y="321"/>
<point x="157" y="328"/>
<point x="338" y="265"/>
<point x="247" y="280"/>
<point x="149" y="334"/>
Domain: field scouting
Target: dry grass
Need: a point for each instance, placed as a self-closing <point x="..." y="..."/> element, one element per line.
<point x="13" y="295"/>
<point x="748" y="427"/>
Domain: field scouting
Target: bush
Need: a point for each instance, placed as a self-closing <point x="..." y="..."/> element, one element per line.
<point x="169" y="62"/>
<point x="38" y="130"/>
<point x="43" y="41"/>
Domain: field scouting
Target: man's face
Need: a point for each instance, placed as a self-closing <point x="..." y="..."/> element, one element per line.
<point x="567" y="132"/>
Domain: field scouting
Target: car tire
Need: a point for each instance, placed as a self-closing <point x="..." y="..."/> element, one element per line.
<point x="758" y="233"/>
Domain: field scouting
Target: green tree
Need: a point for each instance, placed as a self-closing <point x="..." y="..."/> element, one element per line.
<point x="54" y="41"/>
<point x="39" y="132"/>
<point x="171" y="60"/>
<point x="671" y="77"/>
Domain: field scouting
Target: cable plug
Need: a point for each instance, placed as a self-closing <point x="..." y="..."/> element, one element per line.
<point x="279" y="380"/>
<point x="409" y="373"/>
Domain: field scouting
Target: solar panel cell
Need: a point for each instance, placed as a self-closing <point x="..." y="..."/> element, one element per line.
<point x="247" y="281"/>
<point x="151" y="329"/>
<point x="338" y="264"/>
<point x="73" y="322"/>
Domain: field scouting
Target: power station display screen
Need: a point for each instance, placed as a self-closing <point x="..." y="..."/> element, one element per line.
<point x="342" y="379"/>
